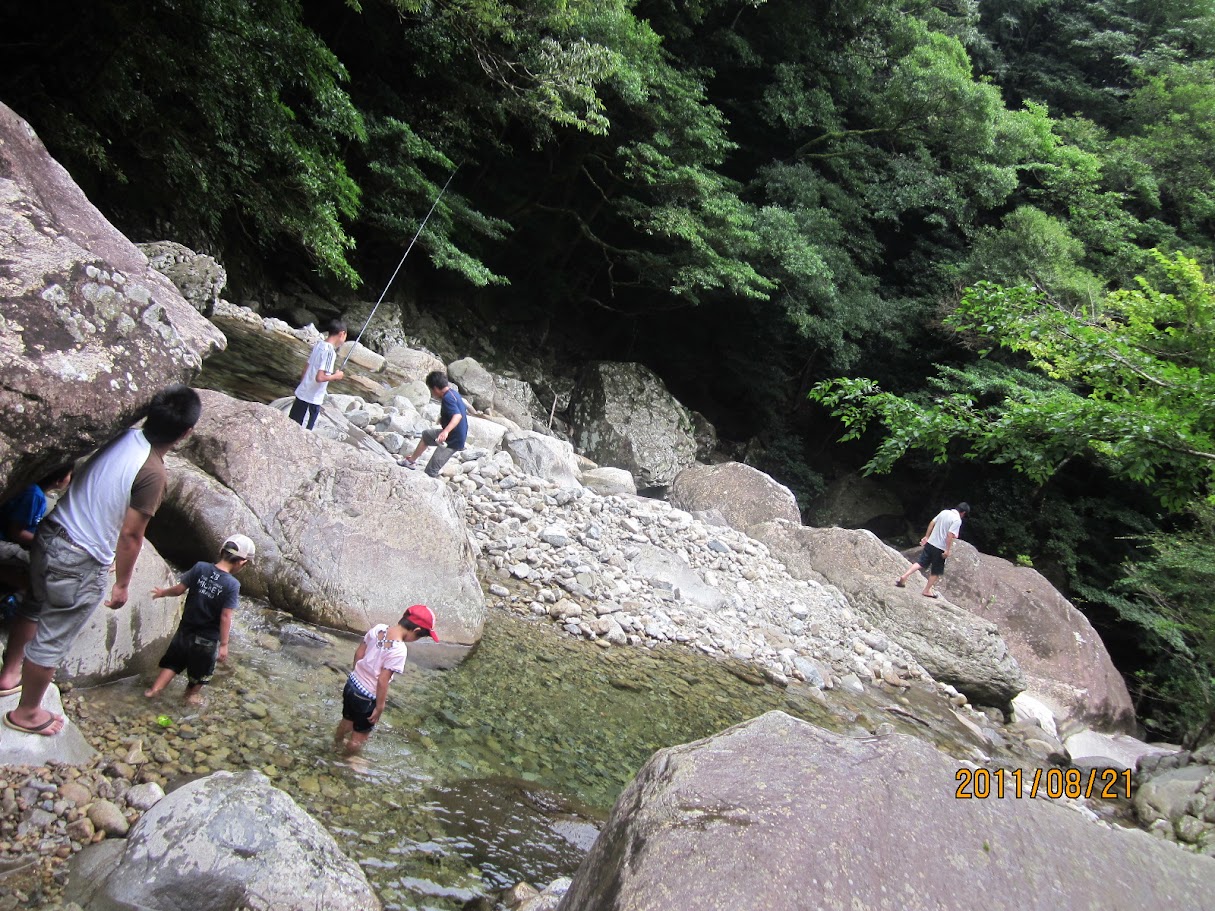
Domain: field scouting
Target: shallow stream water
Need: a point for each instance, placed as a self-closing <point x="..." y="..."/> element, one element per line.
<point x="477" y="777"/>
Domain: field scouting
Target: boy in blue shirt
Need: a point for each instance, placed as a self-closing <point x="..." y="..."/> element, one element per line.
<point x="453" y="420"/>
<point x="20" y="515"/>
<point x="19" y="518"/>
<point x="212" y="594"/>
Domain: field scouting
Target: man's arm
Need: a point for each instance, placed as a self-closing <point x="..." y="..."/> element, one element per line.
<point x="323" y="377"/>
<point x="949" y="539"/>
<point x="928" y="534"/>
<point x="225" y="627"/>
<point x="130" y="542"/>
<point x="381" y="694"/>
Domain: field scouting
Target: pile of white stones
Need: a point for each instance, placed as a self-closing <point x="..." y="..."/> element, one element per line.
<point x="629" y="570"/>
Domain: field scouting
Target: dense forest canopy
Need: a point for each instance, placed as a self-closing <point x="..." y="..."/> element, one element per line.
<point x="984" y="231"/>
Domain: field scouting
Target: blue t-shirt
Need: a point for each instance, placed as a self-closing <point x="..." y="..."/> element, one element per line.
<point x="452" y="404"/>
<point x="209" y="591"/>
<point x="24" y="510"/>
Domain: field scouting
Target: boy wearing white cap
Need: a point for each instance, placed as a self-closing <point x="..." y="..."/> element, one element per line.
<point x="379" y="657"/>
<point x="212" y="594"/>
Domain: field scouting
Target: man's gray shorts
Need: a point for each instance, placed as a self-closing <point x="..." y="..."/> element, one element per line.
<point x="440" y="456"/>
<point x="66" y="585"/>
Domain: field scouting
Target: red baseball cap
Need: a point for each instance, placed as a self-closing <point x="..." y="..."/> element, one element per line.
<point x="421" y="615"/>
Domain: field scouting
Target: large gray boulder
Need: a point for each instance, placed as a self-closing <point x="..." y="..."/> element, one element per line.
<point x="745" y="496"/>
<point x="1094" y="750"/>
<point x="343" y="539"/>
<point x="130" y="640"/>
<point x="781" y="815"/>
<point x="953" y="645"/>
<point x="1065" y="662"/>
<point x="624" y="417"/>
<point x="609" y="481"/>
<point x="222" y="843"/>
<point x="411" y="365"/>
<point x="475" y="383"/>
<point x="482" y="434"/>
<point x="517" y="400"/>
<point x="88" y="331"/>
<point x="543" y="457"/>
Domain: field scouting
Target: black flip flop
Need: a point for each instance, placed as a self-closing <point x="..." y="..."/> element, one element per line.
<point x="9" y="723"/>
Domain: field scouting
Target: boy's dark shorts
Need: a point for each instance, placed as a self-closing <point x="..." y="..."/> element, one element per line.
<point x="932" y="559"/>
<point x="193" y="654"/>
<point x="304" y="413"/>
<point x="357" y="708"/>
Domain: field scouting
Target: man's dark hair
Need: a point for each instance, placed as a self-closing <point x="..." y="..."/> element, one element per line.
<point x="436" y="379"/>
<point x="171" y="414"/>
<point x="51" y="478"/>
<point x="963" y="507"/>
<point x="334" y="327"/>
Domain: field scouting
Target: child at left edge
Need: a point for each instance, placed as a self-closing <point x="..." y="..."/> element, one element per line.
<point x="212" y="594"/>
<point x="380" y="655"/>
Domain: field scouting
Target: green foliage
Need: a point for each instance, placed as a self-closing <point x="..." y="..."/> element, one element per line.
<point x="1032" y="247"/>
<point x="221" y="116"/>
<point x="542" y="67"/>
<point x="1128" y="387"/>
<point x="1173" y="117"/>
<point x="1170" y="595"/>
<point x="400" y="194"/>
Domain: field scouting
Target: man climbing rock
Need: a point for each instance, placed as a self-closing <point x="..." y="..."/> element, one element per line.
<point x="937" y="544"/>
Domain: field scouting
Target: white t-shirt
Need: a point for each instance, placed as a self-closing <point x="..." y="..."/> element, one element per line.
<point x="94" y="507"/>
<point x="323" y="357"/>
<point x="381" y="653"/>
<point x="948" y="521"/>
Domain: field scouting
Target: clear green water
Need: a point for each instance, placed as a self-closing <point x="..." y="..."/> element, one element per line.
<point x="497" y="771"/>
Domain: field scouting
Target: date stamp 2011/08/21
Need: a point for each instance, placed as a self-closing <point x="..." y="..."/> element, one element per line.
<point x="1107" y="784"/>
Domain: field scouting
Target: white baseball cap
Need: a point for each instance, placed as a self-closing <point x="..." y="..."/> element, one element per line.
<point x="239" y="546"/>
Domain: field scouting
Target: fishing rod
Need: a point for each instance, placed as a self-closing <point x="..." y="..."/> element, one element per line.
<point x="398" y="269"/>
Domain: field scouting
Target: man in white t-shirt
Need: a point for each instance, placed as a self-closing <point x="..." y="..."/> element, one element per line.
<point x="318" y="373"/>
<point x="937" y="544"/>
<point x="100" y="522"/>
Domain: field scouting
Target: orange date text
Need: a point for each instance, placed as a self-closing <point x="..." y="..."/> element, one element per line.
<point x="1106" y="784"/>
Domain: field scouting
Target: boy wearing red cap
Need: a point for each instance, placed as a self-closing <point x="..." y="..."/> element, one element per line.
<point x="380" y="655"/>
